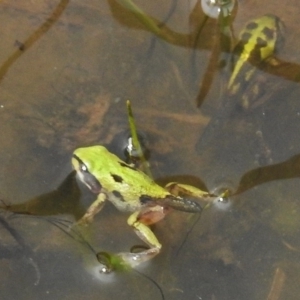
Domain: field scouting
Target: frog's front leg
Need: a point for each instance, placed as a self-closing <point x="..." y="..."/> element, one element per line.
<point x="140" y="221"/>
<point x="95" y="207"/>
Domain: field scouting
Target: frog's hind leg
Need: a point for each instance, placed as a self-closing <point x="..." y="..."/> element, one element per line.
<point x="140" y="221"/>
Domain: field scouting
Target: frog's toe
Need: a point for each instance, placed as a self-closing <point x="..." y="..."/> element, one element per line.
<point x="111" y="262"/>
<point x="134" y="259"/>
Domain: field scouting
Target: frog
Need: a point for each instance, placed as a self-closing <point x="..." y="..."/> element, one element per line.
<point x="258" y="42"/>
<point x="131" y="190"/>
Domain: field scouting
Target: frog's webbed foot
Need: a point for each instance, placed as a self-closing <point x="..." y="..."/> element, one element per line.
<point x="137" y="220"/>
<point x="111" y="262"/>
<point x="123" y="261"/>
<point x="126" y="260"/>
<point x="134" y="259"/>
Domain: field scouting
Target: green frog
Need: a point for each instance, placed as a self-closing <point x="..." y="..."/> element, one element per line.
<point x="131" y="190"/>
<point x="257" y="45"/>
<point x="258" y="42"/>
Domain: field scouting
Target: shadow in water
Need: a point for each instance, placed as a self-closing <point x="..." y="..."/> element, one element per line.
<point x="286" y="170"/>
<point x="64" y="200"/>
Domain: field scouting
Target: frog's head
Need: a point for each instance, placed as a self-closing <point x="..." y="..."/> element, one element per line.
<point x="86" y="161"/>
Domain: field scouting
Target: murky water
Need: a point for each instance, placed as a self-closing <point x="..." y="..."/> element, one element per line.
<point x="66" y="70"/>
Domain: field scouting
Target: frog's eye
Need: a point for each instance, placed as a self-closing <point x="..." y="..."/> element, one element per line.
<point x="83" y="168"/>
<point x="80" y="165"/>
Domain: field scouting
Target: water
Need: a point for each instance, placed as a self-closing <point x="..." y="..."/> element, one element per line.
<point x="66" y="70"/>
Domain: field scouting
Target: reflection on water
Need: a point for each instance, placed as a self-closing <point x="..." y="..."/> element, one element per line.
<point x="65" y="86"/>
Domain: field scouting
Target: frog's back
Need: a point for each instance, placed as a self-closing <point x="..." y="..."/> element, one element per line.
<point x="117" y="176"/>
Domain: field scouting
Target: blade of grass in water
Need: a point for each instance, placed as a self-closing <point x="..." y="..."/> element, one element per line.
<point x="135" y="141"/>
<point x="155" y="26"/>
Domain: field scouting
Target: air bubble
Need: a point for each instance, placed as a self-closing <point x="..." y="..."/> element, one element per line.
<point x="213" y="8"/>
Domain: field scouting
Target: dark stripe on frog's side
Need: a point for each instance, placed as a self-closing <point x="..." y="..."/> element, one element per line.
<point x="257" y="42"/>
<point x="181" y="204"/>
<point x="176" y="203"/>
<point x="145" y="199"/>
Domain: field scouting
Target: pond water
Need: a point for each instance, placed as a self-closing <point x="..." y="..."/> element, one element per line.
<point x="66" y="71"/>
